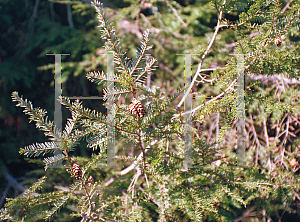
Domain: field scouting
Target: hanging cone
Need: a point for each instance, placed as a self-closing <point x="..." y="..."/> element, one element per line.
<point x="277" y="41"/>
<point x="77" y="171"/>
<point x="137" y="108"/>
<point x="90" y="181"/>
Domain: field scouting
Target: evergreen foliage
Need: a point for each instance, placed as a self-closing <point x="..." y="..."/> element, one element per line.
<point x="162" y="188"/>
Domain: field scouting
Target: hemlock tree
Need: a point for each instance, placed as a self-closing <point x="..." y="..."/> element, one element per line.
<point x="151" y="137"/>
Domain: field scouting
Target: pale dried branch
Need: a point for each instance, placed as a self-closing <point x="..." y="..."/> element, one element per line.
<point x="229" y="88"/>
<point x="256" y="140"/>
<point x="286" y="6"/>
<point x="132" y="166"/>
<point x="203" y="57"/>
<point x="273" y="78"/>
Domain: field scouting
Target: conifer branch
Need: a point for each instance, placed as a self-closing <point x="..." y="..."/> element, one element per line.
<point x="39" y="149"/>
<point x="206" y="189"/>
<point x="83" y="112"/>
<point x="109" y="94"/>
<point x="99" y="77"/>
<point x="60" y="202"/>
<point x="144" y="72"/>
<point x="53" y="160"/>
<point x="112" y="42"/>
<point x="37" y="115"/>
<point x="140" y="52"/>
<point x="248" y="17"/>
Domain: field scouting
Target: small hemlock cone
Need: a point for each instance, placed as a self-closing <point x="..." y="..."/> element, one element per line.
<point x="137" y="108"/>
<point x="293" y="162"/>
<point x="77" y="171"/>
<point x="277" y="41"/>
<point x="90" y="181"/>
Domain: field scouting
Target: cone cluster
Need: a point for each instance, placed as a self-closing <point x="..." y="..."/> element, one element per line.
<point x="77" y="171"/>
<point x="278" y="40"/>
<point x="137" y="108"/>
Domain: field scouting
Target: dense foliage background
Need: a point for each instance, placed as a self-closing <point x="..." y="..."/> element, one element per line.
<point x="31" y="29"/>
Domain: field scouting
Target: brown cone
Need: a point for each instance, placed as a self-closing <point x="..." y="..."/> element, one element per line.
<point x="77" y="171"/>
<point x="137" y="108"/>
<point x="277" y="41"/>
<point x="90" y="181"/>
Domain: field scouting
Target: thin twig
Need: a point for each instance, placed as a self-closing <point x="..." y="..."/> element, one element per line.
<point x="286" y="6"/>
<point x="256" y="140"/>
<point x="176" y="14"/>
